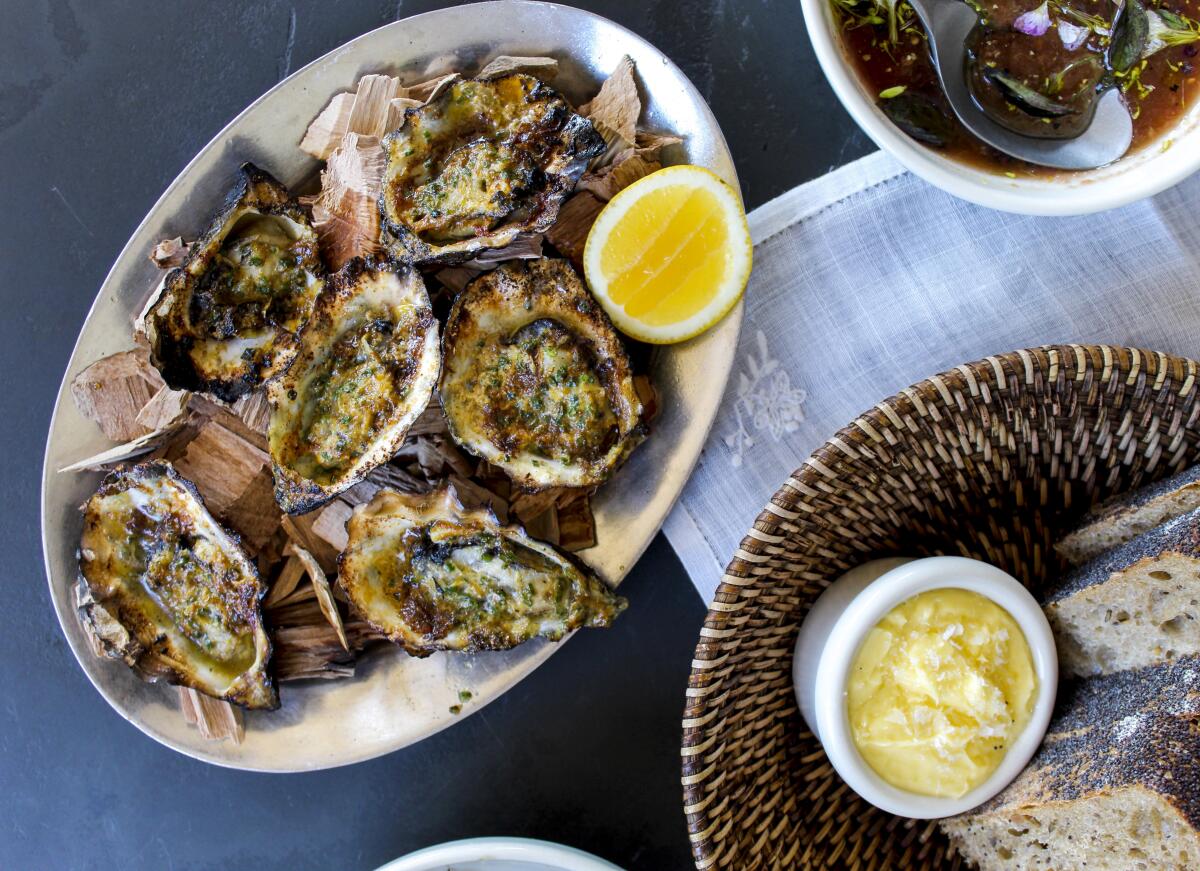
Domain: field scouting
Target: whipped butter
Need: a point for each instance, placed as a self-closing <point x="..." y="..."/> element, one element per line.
<point x="939" y="690"/>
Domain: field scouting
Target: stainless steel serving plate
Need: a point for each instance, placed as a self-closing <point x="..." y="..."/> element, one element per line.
<point x="394" y="700"/>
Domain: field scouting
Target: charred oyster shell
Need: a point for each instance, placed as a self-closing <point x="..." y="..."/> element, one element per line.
<point x="479" y="164"/>
<point x="228" y="318"/>
<point x="432" y="576"/>
<point x="172" y="593"/>
<point x="367" y="365"/>
<point x="535" y="379"/>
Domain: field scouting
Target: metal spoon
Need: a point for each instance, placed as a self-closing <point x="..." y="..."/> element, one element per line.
<point x="1105" y="139"/>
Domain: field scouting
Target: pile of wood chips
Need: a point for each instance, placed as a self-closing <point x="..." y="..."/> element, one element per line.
<point x="222" y="447"/>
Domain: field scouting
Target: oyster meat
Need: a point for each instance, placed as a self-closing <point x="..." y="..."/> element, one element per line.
<point x="535" y="380"/>
<point x="432" y="576"/>
<point x="479" y="164"/>
<point x="228" y="318"/>
<point x="171" y="592"/>
<point x="367" y="365"/>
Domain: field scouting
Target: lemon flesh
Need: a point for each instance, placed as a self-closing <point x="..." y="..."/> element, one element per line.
<point x="670" y="255"/>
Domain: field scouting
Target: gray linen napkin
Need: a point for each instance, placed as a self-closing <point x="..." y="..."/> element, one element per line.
<point x="867" y="280"/>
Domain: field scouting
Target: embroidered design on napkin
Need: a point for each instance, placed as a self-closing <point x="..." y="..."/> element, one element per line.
<point x="766" y="399"/>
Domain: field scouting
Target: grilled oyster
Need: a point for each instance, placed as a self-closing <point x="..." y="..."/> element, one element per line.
<point x="432" y="575"/>
<point x="227" y="318"/>
<point x="367" y="366"/>
<point x="535" y="380"/>
<point x="173" y="594"/>
<point x="479" y="164"/>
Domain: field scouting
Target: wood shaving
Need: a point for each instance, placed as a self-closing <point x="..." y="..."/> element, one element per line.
<point x="576" y="522"/>
<point x="169" y="253"/>
<point x="222" y="465"/>
<point x="346" y="211"/>
<point x="430" y="90"/>
<point x="371" y="112"/>
<point x="575" y="218"/>
<point x="607" y="181"/>
<point x="616" y="109"/>
<point x="254" y="411"/>
<point x="289" y="578"/>
<point x="113" y="390"/>
<point x="300" y="531"/>
<point x="137" y="447"/>
<point x="330" y="525"/>
<point x="544" y="68"/>
<point x="166" y="409"/>
<point x="320" y="586"/>
<point x="216" y="719"/>
<point x="325" y="133"/>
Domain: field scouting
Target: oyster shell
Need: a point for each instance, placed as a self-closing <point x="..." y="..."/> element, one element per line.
<point x="228" y="318"/>
<point x="367" y="365"/>
<point x="479" y="164"/>
<point x="432" y="576"/>
<point x="535" y="379"/>
<point x="172" y="593"/>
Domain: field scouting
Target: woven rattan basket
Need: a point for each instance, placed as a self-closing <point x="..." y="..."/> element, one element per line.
<point x="989" y="460"/>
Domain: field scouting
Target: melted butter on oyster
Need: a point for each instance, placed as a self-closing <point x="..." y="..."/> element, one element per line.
<point x="432" y="576"/>
<point x="228" y="318"/>
<point x="368" y="362"/>
<point x="173" y="594"/>
<point x="535" y="379"/>
<point x="479" y="164"/>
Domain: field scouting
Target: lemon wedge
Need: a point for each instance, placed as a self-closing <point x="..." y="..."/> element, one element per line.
<point x="670" y="255"/>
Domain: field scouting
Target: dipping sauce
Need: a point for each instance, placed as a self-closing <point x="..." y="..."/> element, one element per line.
<point x="1036" y="65"/>
<point x="939" y="690"/>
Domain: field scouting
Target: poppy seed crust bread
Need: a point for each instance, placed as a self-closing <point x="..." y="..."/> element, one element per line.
<point x="1135" y="605"/>
<point x="1129" y="515"/>
<point x="1115" y="785"/>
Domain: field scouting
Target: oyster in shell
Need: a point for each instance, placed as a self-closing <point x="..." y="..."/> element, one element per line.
<point x="172" y="593"/>
<point x="228" y="318"/>
<point x="479" y="164"/>
<point x="367" y="365"/>
<point x="535" y="379"/>
<point x="432" y="576"/>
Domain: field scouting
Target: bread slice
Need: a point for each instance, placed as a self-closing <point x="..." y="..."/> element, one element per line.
<point x="1116" y="784"/>
<point x="1135" y="605"/>
<point x="1125" y="517"/>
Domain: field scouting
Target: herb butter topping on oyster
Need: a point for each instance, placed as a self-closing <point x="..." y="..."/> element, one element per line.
<point x="172" y="593"/>
<point x="367" y="366"/>
<point x="432" y="576"/>
<point x="535" y="379"/>
<point x="479" y="164"/>
<point x="228" y="318"/>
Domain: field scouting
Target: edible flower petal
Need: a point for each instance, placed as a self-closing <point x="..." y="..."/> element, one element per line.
<point x="1072" y="35"/>
<point x="1035" y="22"/>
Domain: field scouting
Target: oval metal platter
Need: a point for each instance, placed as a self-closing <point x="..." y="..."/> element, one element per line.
<point x="393" y="700"/>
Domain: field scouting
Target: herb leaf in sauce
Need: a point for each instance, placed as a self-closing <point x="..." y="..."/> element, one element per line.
<point x="919" y="117"/>
<point x="1026" y="98"/>
<point x="1130" y="36"/>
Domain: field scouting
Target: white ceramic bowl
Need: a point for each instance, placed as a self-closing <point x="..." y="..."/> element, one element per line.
<point x="499" y="854"/>
<point x="830" y="637"/>
<point x="1138" y="175"/>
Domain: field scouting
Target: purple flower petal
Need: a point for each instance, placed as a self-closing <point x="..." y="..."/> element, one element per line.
<point x="1035" y="22"/>
<point x="1072" y="35"/>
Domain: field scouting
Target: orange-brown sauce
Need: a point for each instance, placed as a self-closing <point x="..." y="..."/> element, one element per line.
<point x="1163" y="88"/>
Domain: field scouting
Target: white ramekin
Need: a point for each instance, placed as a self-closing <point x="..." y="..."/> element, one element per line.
<point x="830" y="638"/>
<point x="1152" y="169"/>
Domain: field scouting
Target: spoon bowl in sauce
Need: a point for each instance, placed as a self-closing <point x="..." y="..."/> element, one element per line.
<point x="1097" y="134"/>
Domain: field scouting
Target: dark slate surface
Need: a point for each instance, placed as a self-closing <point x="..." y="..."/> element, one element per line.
<point x="101" y="105"/>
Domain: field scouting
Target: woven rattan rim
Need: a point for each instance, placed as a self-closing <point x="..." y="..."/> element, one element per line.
<point x="990" y="459"/>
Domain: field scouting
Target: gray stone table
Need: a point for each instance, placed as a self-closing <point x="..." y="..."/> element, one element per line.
<point x="101" y="104"/>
